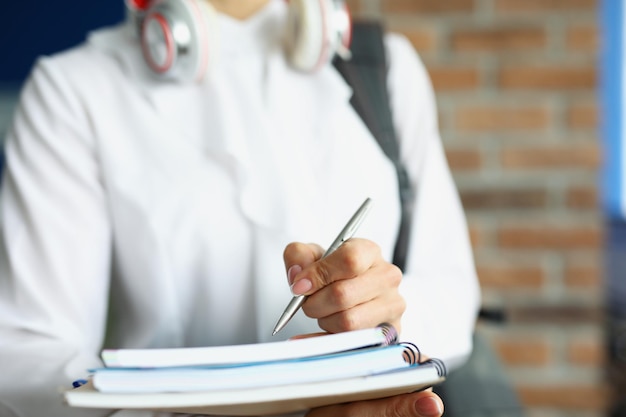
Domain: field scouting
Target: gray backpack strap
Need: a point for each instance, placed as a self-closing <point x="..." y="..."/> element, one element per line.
<point x="366" y="72"/>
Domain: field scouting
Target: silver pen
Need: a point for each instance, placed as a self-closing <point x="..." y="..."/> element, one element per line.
<point x="346" y="233"/>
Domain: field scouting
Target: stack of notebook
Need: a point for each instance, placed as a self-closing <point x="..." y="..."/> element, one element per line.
<point x="259" y="379"/>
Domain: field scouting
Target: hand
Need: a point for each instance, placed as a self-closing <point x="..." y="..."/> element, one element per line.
<point x="350" y="289"/>
<point x="417" y="404"/>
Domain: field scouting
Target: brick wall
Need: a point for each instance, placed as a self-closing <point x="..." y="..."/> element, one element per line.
<point x="516" y="89"/>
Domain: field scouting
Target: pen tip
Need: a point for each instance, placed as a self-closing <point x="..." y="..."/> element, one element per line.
<point x="274" y="333"/>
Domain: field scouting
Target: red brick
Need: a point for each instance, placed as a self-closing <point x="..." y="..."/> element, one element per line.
<point x="582" y="38"/>
<point x="528" y="351"/>
<point x="555" y="314"/>
<point x="464" y="159"/>
<point x="490" y="118"/>
<point x="503" y="198"/>
<point x="569" y="396"/>
<point x="476" y="234"/>
<point x="544" y="5"/>
<point x="582" y="116"/>
<point x="587" y="352"/>
<point x="583" y="197"/>
<point x="510" y="277"/>
<point x="423" y="40"/>
<point x="536" y="236"/>
<point x="498" y="39"/>
<point x="354" y="6"/>
<point x="564" y="77"/>
<point x="454" y="78"/>
<point x="427" y="6"/>
<point x="557" y="157"/>
<point x="583" y="276"/>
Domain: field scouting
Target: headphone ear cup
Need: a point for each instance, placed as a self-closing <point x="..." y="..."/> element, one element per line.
<point x="157" y="42"/>
<point x="316" y="31"/>
<point x="176" y="39"/>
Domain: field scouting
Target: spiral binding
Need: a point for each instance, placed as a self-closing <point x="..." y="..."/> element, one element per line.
<point x="438" y="364"/>
<point x="390" y="333"/>
<point x="411" y="354"/>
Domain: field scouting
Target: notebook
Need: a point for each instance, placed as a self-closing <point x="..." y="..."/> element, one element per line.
<point x="383" y="334"/>
<point x="346" y="367"/>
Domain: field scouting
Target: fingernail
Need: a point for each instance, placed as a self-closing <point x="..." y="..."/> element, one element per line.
<point x="301" y="286"/>
<point x="428" y="407"/>
<point x="292" y="272"/>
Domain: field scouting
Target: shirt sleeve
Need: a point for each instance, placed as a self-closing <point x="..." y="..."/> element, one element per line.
<point x="54" y="249"/>
<point x="440" y="284"/>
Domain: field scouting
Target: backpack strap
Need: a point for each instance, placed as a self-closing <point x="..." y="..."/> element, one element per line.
<point x="366" y="73"/>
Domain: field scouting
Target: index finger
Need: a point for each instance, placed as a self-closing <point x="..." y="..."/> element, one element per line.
<point x="297" y="256"/>
<point x="351" y="259"/>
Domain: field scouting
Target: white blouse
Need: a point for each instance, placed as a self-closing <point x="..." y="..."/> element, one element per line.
<point x="137" y="212"/>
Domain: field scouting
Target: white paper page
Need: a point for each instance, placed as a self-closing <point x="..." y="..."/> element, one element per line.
<point x="257" y="352"/>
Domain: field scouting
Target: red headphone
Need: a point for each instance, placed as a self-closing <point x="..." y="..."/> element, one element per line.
<point x="177" y="36"/>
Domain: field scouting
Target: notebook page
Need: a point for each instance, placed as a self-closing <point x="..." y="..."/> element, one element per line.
<point x="248" y="353"/>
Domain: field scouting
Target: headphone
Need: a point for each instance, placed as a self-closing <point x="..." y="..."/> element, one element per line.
<point x="178" y="36"/>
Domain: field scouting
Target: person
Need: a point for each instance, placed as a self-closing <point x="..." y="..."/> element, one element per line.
<point x="145" y="210"/>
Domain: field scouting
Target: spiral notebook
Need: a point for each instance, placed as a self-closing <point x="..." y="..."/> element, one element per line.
<point x="274" y="379"/>
<point x="381" y="335"/>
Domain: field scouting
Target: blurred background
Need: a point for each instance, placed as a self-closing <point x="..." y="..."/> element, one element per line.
<point x="520" y="86"/>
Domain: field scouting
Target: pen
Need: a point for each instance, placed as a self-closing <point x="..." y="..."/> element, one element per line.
<point x="346" y="233"/>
